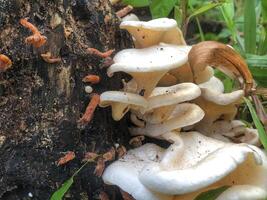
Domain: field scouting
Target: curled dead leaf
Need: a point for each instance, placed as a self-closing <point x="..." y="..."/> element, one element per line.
<point x="223" y="57"/>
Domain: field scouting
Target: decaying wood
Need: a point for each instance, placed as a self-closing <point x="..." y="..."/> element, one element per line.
<point x="41" y="103"/>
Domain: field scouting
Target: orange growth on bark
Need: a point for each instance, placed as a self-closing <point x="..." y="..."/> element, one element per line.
<point x="125" y="11"/>
<point x="100" y="166"/>
<point x="96" y="52"/>
<point x="70" y="155"/>
<point x="94" y="79"/>
<point x="47" y="57"/>
<point x="103" y="196"/>
<point x="36" y="39"/>
<point x="5" y="63"/>
<point x="88" y="115"/>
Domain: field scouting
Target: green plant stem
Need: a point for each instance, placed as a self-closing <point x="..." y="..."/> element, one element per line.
<point x="184" y="5"/>
<point x="202" y="36"/>
<point x="258" y="124"/>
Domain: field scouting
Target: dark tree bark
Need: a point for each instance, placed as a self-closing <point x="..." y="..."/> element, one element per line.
<point x="40" y="103"/>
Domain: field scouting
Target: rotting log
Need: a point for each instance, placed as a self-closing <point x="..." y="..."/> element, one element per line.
<point x="40" y="103"/>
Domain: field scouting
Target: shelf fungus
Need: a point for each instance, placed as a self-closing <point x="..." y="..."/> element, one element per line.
<point x="232" y="131"/>
<point x="148" y="65"/>
<point x="121" y="102"/>
<point x="191" y="165"/>
<point x="153" y="32"/>
<point x="173" y="89"/>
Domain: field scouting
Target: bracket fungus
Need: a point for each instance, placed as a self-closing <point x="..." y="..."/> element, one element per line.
<point x="153" y="32"/>
<point x="173" y="89"/>
<point x="148" y="65"/>
<point x="232" y="131"/>
<point x="121" y="102"/>
<point x="192" y="164"/>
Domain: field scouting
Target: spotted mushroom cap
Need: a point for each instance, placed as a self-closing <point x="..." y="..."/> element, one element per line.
<point x="191" y="165"/>
<point x="163" y="101"/>
<point x="153" y="32"/>
<point x="147" y="66"/>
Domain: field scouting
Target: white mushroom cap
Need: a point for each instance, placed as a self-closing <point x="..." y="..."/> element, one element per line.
<point x="153" y="32"/>
<point x="243" y="192"/>
<point x="234" y="131"/>
<point x="164" y="96"/>
<point x="212" y="91"/>
<point x="214" y="84"/>
<point x="206" y="161"/>
<point x="184" y="74"/>
<point x="121" y="102"/>
<point x="163" y="101"/>
<point x="124" y="172"/>
<point x="130" y="17"/>
<point x="193" y="164"/>
<point x="184" y="114"/>
<point x="148" y="65"/>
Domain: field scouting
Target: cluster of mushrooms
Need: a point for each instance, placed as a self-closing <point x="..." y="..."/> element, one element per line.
<point x="174" y="96"/>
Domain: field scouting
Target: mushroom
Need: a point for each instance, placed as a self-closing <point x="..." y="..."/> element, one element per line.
<point x="216" y="103"/>
<point x="153" y="32"/>
<point x="130" y="17"/>
<point x="233" y="131"/>
<point x="163" y="100"/>
<point x="214" y="112"/>
<point x="121" y="102"/>
<point x="191" y="165"/>
<point x="184" y="114"/>
<point x="213" y="89"/>
<point x="147" y="66"/>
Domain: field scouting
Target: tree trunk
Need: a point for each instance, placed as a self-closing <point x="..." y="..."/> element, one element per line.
<point x="40" y="103"/>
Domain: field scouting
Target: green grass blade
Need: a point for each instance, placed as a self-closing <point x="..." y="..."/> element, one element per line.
<point x="250" y="26"/>
<point x="258" y="124"/>
<point x="204" y="9"/>
<point x="137" y="3"/>
<point x="159" y="8"/>
<point x="59" y="194"/>
<point x="256" y="61"/>
<point x="263" y="49"/>
<point x="178" y="15"/>
<point x="211" y="194"/>
<point x="264" y="10"/>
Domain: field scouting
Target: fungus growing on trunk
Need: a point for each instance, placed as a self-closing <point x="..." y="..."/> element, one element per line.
<point x="192" y="99"/>
<point x="192" y="164"/>
<point x="153" y="32"/>
<point x="121" y="102"/>
<point x="147" y="66"/>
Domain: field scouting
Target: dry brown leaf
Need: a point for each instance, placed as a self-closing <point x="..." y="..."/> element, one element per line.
<point x="223" y="57"/>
